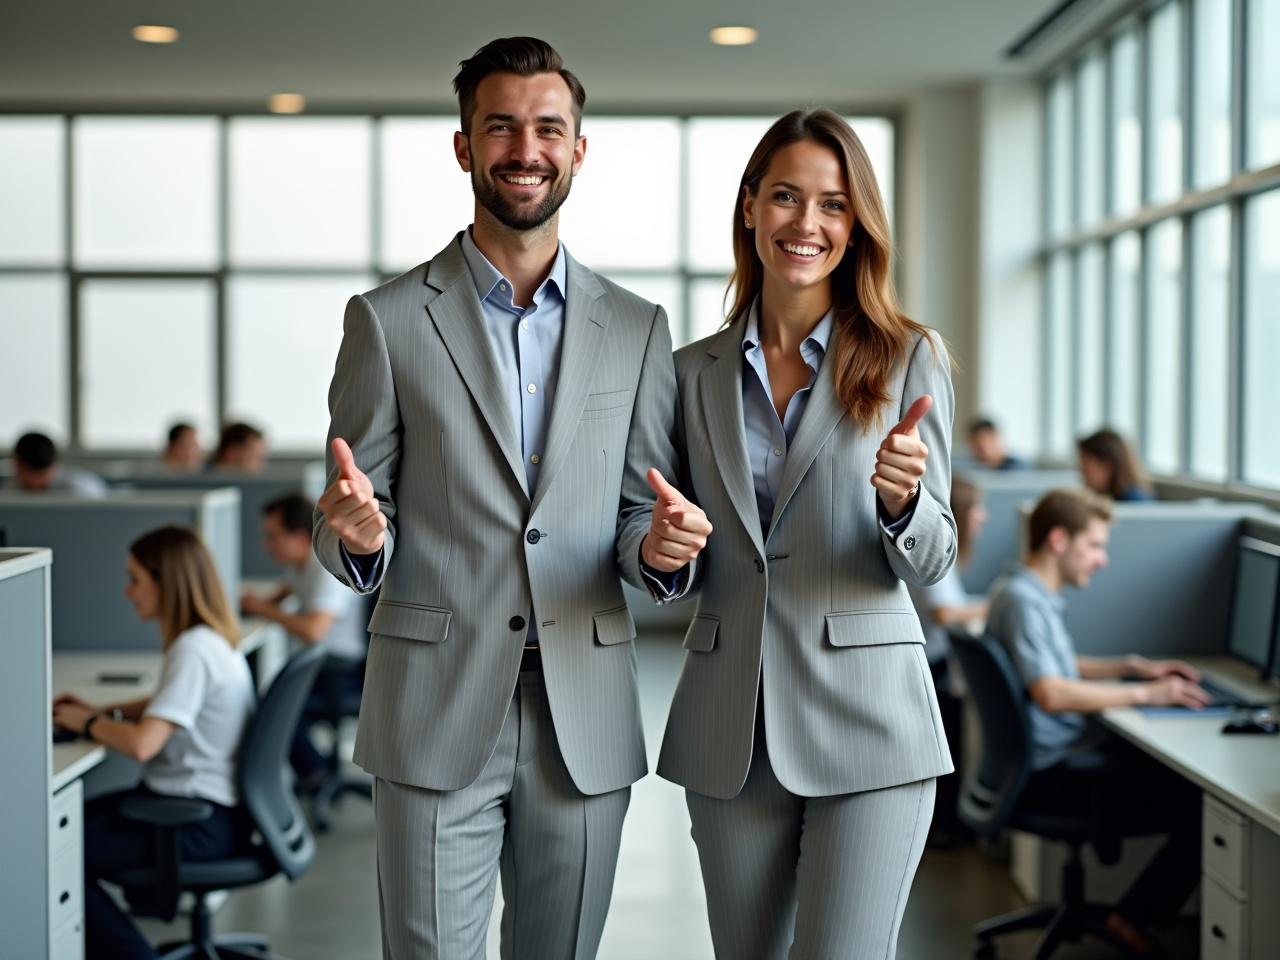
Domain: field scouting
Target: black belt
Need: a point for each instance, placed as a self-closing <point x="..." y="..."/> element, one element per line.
<point x="531" y="660"/>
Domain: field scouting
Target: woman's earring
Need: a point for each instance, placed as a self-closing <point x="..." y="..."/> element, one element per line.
<point x="747" y="224"/>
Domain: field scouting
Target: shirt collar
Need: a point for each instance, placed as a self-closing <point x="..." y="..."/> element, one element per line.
<point x="814" y="347"/>
<point x="486" y="276"/>
<point x="1041" y="589"/>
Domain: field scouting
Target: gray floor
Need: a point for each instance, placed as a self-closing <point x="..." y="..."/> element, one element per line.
<point x="658" y="906"/>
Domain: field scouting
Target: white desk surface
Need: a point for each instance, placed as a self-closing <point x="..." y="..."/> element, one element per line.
<point x="77" y="671"/>
<point x="1242" y="770"/>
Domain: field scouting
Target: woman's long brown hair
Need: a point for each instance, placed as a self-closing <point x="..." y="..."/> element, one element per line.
<point x="190" y="591"/>
<point x="1109" y="447"/>
<point x="871" y="333"/>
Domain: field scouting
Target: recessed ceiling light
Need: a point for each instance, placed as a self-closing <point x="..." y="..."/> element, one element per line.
<point x="734" y="36"/>
<point x="287" y="103"/>
<point x="154" y="33"/>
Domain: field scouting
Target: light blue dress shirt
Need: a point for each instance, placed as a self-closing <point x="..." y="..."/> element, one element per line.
<point x="768" y="437"/>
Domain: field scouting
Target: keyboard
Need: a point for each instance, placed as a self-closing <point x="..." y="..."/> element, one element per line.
<point x="1222" y="697"/>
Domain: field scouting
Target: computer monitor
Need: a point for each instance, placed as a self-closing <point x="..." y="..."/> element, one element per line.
<point x="1251" y="632"/>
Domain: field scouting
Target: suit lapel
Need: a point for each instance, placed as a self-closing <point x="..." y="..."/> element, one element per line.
<point x="821" y="414"/>
<point x="585" y="323"/>
<point x="720" y="384"/>
<point x="455" y="310"/>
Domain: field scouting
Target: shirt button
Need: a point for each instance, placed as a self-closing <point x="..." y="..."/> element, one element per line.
<point x="777" y="451"/>
<point x="531" y="388"/>
<point x="502" y="287"/>
<point x="535" y="459"/>
<point x="516" y="623"/>
<point x="524" y="324"/>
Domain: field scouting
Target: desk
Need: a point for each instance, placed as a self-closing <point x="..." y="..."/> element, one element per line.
<point x="1240" y="777"/>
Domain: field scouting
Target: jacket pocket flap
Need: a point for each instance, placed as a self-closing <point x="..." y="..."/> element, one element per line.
<point x="701" y="635"/>
<point x="869" y="628"/>
<point x="608" y="400"/>
<point x="394" y="619"/>
<point x="614" y="626"/>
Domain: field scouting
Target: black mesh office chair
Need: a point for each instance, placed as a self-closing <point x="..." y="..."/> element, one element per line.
<point x="340" y="703"/>
<point x="282" y="843"/>
<point x="990" y="801"/>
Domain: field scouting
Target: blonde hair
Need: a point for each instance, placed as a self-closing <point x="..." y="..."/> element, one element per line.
<point x="191" y="592"/>
<point x="871" y="334"/>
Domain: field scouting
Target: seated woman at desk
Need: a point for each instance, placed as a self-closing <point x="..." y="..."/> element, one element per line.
<point x="186" y="734"/>
<point x="1109" y="466"/>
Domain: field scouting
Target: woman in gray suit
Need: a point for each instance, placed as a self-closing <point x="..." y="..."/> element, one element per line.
<point x="816" y="437"/>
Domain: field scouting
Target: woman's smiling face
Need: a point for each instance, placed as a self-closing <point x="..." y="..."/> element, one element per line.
<point x="802" y="214"/>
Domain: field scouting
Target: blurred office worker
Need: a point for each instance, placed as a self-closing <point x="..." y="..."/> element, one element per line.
<point x="987" y="446"/>
<point x="1109" y="466"/>
<point x="816" y="434"/>
<point x="493" y="413"/>
<point x="36" y="469"/>
<point x="242" y="447"/>
<point x="1069" y="531"/>
<point x="327" y="613"/>
<point x="186" y="734"/>
<point x="182" y="453"/>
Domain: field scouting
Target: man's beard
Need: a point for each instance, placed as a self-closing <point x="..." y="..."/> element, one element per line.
<point x="519" y="218"/>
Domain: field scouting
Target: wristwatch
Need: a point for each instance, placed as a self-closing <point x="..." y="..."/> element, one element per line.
<point x="115" y="714"/>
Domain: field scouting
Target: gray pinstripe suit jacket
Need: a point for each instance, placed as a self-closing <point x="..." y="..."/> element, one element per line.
<point x="813" y="611"/>
<point x="417" y="394"/>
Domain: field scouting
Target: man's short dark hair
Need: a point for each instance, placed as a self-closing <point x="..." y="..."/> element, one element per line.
<point x="236" y="435"/>
<point x="1069" y="508"/>
<point x="35" y="451"/>
<point x="294" y="510"/>
<point x="177" y="430"/>
<point x="979" y="424"/>
<point x="523" y="56"/>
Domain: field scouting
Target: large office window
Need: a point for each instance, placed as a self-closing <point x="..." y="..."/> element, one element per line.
<point x="1059" y="366"/>
<point x="197" y="267"/>
<point x="1185" y="254"/>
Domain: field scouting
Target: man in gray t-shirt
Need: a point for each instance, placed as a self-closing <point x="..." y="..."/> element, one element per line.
<point x="1069" y="530"/>
<point x="327" y="613"/>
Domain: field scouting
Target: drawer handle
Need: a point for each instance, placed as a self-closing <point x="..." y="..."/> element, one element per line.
<point x="66" y="895"/>
<point x="1218" y="841"/>
<point x="62" y="824"/>
<point x="1218" y="932"/>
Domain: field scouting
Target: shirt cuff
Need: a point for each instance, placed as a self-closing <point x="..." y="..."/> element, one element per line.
<point x="665" y="586"/>
<point x="363" y="569"/>
<point x="894" y="527"/>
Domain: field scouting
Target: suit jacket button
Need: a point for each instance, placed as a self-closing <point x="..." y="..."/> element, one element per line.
<point x="759" y="565"/>
<point x="516" y="623"/>
<point x="908" y="543"/>
<point x="533" y="536"/>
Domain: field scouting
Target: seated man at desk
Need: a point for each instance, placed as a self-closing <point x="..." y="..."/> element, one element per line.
<point x="1075" y="769"/>
<point x="242" y="448"/>
<point x="36" y="470"/>
<point x="186" y="734"/>
<point x="327" y="613"/>
<point x="182" y="453"/>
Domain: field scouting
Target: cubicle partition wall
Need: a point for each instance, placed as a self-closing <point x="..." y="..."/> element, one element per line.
<point x="1167" y="588"/>
<point x="24" y="739"/>
<point x="1004" y="493"/>
<point x="90" y="538"/>
<point x="256" y="491"/>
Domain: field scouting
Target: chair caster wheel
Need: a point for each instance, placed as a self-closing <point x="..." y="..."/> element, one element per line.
<point x="984" y="950"/>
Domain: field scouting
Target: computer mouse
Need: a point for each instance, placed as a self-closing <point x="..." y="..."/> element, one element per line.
<point x="1261" y="721"/>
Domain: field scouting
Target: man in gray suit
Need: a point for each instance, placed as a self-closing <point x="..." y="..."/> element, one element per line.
<point x="503" y="403"/>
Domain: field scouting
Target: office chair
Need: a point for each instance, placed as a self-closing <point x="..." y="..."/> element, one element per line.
<point x="283" y="843"/>
<point x="339" y="704"/>
<point x="990" y="802"/>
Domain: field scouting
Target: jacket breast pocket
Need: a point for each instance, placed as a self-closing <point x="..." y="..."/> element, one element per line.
<point x="614" y="626"/>
<point x="602" y="406"/>
<point x="394" y="618"/>
<point x="702" y="632"/>
<point x="869" y="628"/>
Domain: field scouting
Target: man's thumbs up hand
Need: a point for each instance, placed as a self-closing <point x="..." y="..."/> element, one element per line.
<point x="349" y="506"/>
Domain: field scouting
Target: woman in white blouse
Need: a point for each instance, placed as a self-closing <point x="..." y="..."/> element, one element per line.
<point x="186" y="734"/>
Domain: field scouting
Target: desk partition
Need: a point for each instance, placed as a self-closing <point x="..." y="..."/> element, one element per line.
<point x="1003" y="493"/>
<point x="256" y="491"/>
<point x="90" y="538"/>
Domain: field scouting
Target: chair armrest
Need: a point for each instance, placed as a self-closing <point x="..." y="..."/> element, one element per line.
<point x="166" y="811"/>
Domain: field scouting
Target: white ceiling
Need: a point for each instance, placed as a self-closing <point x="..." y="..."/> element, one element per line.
<point x="402" y="54"/>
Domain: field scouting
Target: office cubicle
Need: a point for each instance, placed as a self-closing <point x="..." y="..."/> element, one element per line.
<point x="256" y="491"/>
<point x="1004" y="492"/>
<point x="24" y="741"/>
<point x="90" y="538"/>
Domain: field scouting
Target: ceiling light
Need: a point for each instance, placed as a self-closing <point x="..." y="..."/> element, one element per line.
<point x="287" y="103"/>
<point x="734" y="36"/>
<point x="153" y="33"/>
